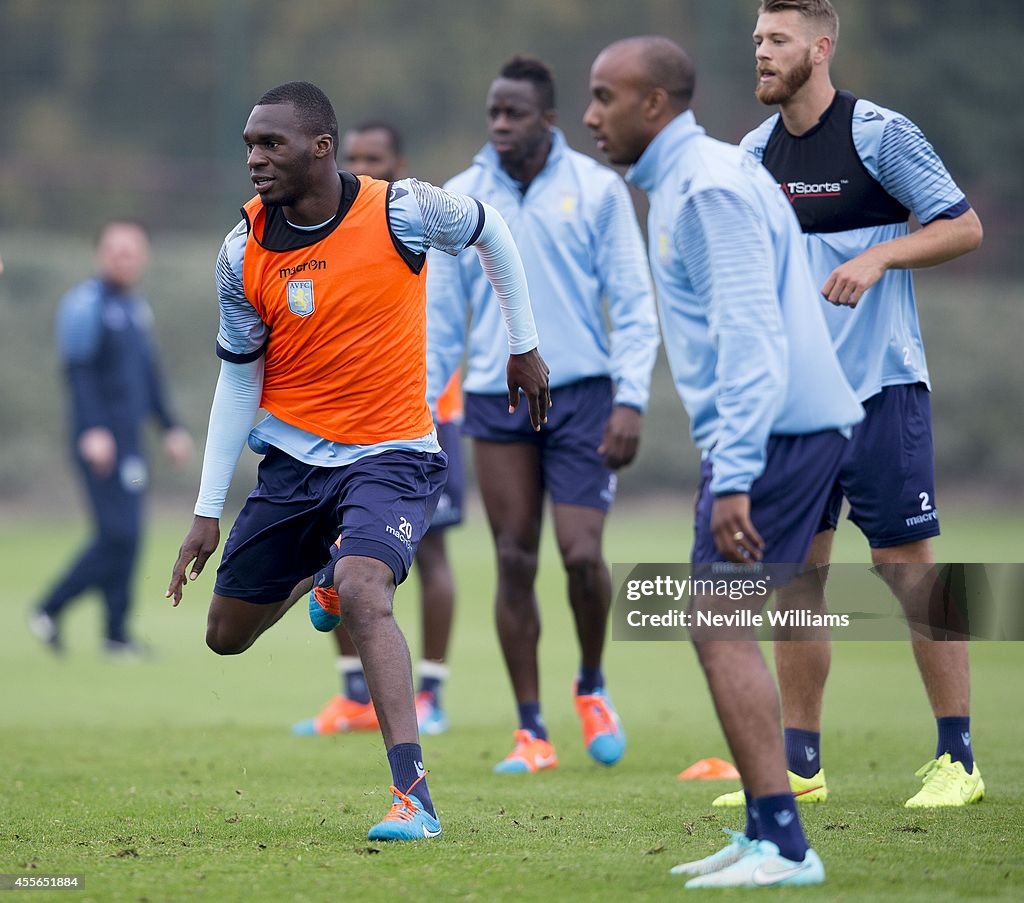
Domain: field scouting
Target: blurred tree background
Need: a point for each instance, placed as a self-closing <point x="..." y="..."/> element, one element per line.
<point x="115" y="107"/>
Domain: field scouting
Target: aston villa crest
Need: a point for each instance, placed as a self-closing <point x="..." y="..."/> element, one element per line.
<point x="300" y="297"/>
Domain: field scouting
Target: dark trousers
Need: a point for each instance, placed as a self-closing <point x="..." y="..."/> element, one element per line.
<point x="107" y="563"/>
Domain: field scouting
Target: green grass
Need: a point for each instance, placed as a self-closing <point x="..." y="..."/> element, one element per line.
<point x="177" y="779"/>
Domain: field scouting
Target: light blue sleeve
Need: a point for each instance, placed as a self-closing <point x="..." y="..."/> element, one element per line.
<point x="727" y="254"/>
<point x="621" y="264"/>
<point x="900" y="158"/>
<point x="448" y="306"/>
<point x="423" y="216"/>
<point x="235" y="403"/>
<point x="242" y="335"/>
<point x="503" y="267"/>
<point x="80" y="324"/>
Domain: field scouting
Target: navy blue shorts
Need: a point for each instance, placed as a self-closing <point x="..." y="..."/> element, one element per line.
<point x="786" y="501"/>
<point x="572" y="471"/>
<point x="888" y="471"/>
<point x="379" y="505"/>
<point x="448" y="512"/>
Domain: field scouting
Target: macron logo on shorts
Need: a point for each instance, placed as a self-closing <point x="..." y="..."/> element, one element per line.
<point x="403" y="534"/>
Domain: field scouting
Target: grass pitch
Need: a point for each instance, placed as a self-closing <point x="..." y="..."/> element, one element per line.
<point x="177" y="779"/>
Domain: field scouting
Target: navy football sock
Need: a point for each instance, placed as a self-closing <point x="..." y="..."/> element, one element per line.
<point x="530" y="720"/>
<point x="431" y="685"/>
<point x="353" y="680"/>
<point x="432" y="678"/>
<point x="955" y="739"/>
<point x="355" y="686"/>
<point x="751" y="810"/>
<point x="803" y="751"/>
<point x="590" y="680"/>
<point x="778" y="821"/>
<point x="406" y="761"/>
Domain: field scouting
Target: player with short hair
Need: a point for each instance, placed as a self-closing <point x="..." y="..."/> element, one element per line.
<point x="323" y="324"/>
<point x="374" y="148"/>
<point x="769" y="407"/>
<point x="854" y="171"/>
<point x="108" y="354"/>
<point x="583" y="253"/>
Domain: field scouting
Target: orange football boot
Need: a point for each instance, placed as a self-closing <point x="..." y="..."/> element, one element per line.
<point x="530" y="756"/>
<point x="602" y="731"/>
<point x="340" y="715"/>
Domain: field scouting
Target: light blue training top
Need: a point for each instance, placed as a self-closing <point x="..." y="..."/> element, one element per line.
<point x="584" y="258"/>
<point x="879" y="342"/>
<point x="741" y="318"/>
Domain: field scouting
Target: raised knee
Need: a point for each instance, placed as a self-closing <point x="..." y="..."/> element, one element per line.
<point x="223" y="641"/>
<point x="362" y="604"/>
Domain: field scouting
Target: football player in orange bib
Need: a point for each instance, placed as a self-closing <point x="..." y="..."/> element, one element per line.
<point x="323" y="324"/>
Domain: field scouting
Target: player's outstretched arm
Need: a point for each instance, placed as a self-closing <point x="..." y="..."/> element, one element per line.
<point x="503" y="268"/>
<point x="450" y="222"/>
<point x="235" y="403"/>
<point x="199" y="544"/>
